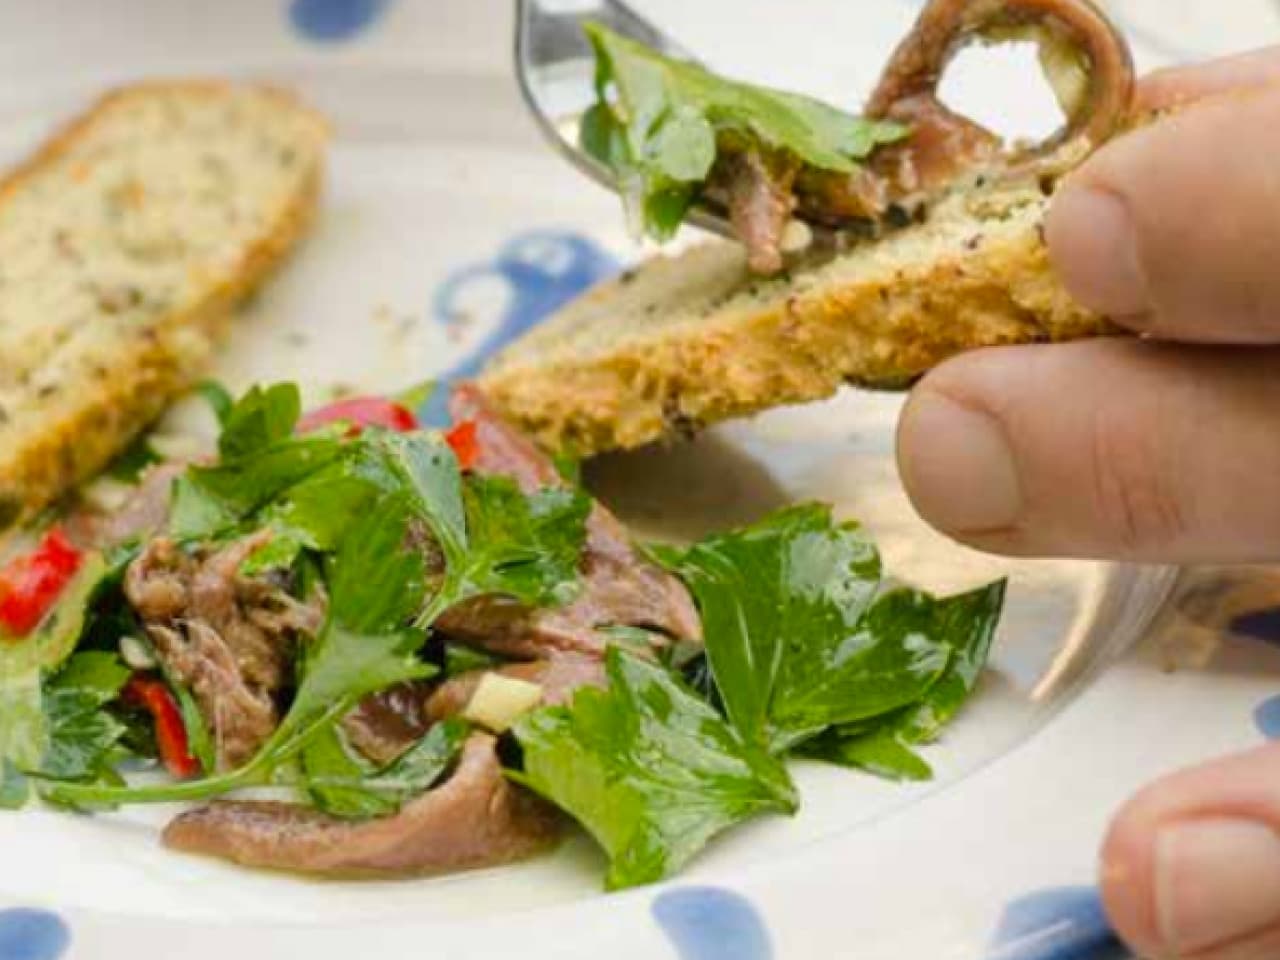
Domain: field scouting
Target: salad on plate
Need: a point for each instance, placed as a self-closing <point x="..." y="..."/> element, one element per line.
<point x="354" y="646"/>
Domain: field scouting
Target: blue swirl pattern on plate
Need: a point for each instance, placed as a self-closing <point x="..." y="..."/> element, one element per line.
<point x="711" y="923"/>
<point x="542" y="270"/>
<point x="1059" y="923"/>
<point x="29" y="934"/>
<point x="334" y="21"/>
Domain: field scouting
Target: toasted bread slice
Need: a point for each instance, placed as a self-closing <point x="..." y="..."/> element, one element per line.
<point x="688" y="340"/>
<point x="124" y="244"/>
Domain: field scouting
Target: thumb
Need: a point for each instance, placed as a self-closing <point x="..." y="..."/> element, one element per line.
<point x="1114" y="448"/>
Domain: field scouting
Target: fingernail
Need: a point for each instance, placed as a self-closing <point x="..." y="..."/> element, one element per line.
<point x="1216" y="880"/>
<point x="1095" y="250"/>
<point x="957" y="466"/>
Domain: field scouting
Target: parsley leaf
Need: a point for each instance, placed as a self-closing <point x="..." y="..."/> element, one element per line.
<point x="800" y="640"/>
<point x="968" y="623"/>
<point x="348" y="786"/>
<point x="259" y="419"/>
<point x="495" y="539"/>
<point x="219" y="400"/>
<point x="886" y="659"/>
<point x="209" y="499"/>
<point x="427" y="469"/>
<point x="648" y="768"/>
<point x="459" y="659"/>
<point x="524" y="546"/>
<point x="884" y="746"/>
<point x="793" y="580"/>
<point x="658" y="124"/>
<point x="81" y="734"/>
<point x="881" y="752"/>
<point x="376" y="584"/>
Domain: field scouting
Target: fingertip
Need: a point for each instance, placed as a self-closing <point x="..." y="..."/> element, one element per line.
<point x="1094" y="247"/>
<point x="1125" y="873"/>
<point x="955" y="459"/>
<point x="1177" y="86"/>
<point x="1191" y="864"/>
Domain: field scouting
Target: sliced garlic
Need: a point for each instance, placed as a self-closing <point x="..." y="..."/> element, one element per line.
<point x="499" y="701"/>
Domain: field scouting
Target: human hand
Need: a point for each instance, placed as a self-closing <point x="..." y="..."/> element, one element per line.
<point x="1164" y="448"/>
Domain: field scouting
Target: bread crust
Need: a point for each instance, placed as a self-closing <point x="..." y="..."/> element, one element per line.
<point x="82" y="426"/>
<point x="879" y="318"/>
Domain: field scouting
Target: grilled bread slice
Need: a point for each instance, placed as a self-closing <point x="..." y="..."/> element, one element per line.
<point x="125" y="242"/>
<point x="688" y="340"/>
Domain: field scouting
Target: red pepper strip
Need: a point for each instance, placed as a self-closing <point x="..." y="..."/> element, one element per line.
<point x="466" y="447"/>
<point x="171" y="734"/>
<point x="31" y="584"/>
<point x="360" y="412"/>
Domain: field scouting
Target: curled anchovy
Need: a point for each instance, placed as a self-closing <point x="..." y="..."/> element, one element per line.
<point x="1085" y="57"/>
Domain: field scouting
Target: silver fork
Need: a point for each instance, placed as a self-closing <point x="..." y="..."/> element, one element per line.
<point x="556" y="71"/>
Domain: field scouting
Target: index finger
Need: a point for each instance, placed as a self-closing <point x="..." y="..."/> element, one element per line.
<point x="1174" y="229"/>
<point x="1176" y="86"/>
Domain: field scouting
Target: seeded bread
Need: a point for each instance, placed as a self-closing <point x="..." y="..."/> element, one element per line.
<point x="125" y="242"/>
<point x="692" y="339"/>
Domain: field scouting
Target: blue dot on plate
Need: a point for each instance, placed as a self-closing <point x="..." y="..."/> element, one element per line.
<point x="1266" y="716"/>
<point x="27" y="934"/>
<point x="542" y="271"/>
<point x="711" y="923"/>
<point x="1061" y="923"/>
<point x="332" y="21"/>
<point x="1259" y="624"/>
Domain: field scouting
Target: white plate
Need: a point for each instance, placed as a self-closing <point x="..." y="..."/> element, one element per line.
<point x="447" y="228"/>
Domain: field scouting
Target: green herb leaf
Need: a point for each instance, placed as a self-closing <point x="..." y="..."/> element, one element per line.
<point x="259" y="419"/>
<point x="648" y="768"/>
<point x="95" y="673"/>
<point x="882" y="745"/>
<point x="347" y="786"/>
<point x="279" y="553"/>
<point x="684" y="147"/>
<point x="218" y="398"/>
<point x="968" y="623"/>
<point x="378" y="541"/>
<point x="881" y="752"/>
<point x="239" y="487"/>
<point x="658" y="122"/>
<point x="81" y="734"/>
<point x="199" y="739"/>
<point x="427" y="469"/>
<point x="195" y="513"/>
<point x="884" y="661"/>
<point x="527" y="547"/>
<point x="792" y="586"/>
<point x="334" y="774"/>
<point x="459" y="659"/>
<point x="799" y="640"/>
<point x="376" y="586"/>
